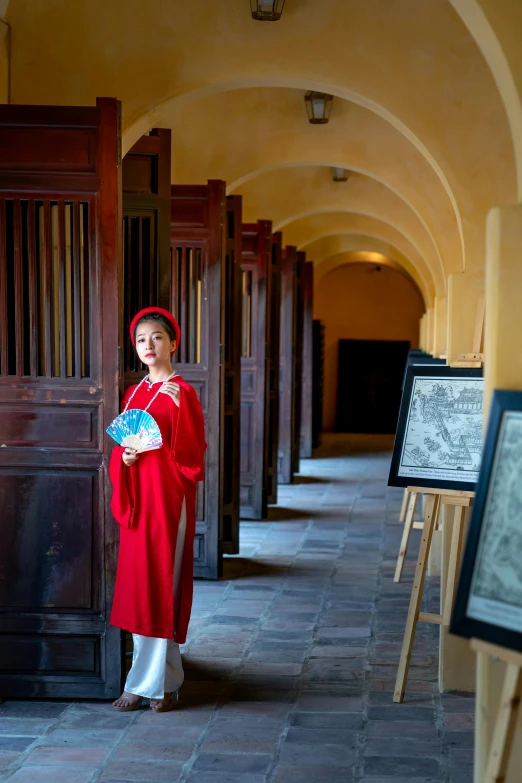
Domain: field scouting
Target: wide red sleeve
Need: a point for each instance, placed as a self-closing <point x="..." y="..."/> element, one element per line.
<point x="188" y="435"/>
<point x="123" y="501"/>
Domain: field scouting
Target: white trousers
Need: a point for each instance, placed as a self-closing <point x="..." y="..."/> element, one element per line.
<point x="156" y="663"/>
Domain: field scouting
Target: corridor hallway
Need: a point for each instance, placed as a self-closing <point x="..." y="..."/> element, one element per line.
<point x="290" y="662"/>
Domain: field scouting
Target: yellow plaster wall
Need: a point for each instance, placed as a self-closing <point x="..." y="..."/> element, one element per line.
<point x="356" y="302"/>
<point x="440" y="330"/>
<point x="464" y="293"/>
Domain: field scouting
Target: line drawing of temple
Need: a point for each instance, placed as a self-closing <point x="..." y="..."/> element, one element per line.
<point x="438" y="407"/>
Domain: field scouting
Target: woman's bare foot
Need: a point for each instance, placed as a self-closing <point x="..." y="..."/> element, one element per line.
<point x="127" y="702"/>
<point x="165" y="704"/>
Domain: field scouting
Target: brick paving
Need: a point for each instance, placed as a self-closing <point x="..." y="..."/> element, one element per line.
<point x="290" y="663"/>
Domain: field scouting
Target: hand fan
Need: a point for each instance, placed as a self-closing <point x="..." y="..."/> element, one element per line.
<point x="137" y="430"/>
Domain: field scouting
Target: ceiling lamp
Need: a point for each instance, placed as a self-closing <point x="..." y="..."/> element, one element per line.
<point x="339" y="174"/>
<point x="318" y="107"/>
<point x="267" y="10"/>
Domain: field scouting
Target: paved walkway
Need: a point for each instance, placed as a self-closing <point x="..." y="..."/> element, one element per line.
<point x="290" y="664"/>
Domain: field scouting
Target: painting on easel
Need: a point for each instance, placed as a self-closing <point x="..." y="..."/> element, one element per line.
<point x="489" y="597"/>
<point x="438" y="443"/>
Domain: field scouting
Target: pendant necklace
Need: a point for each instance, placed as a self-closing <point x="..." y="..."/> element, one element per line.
<point x="150" y="386"/>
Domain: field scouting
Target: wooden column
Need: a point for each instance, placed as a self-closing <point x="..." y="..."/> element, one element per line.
<point x="287" y="358"/>
<point x="317" y="381"/>
<point x="198" y="249"/>
<point x="146" y="234"/>
<point x="306" y="382"/>
<point x="232" y="361"/>
<point x="5" y="64"/>
<point x="273" y="364"/>
<point x="256" y="367"/>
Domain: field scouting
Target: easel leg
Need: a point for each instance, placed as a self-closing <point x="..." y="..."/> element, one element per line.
<point x="430" y="513"/>
<point x="454" y="564"/>
<point x="502" y="741"/>
<point x="404" y="506"/>
<point x="408" y="524"/>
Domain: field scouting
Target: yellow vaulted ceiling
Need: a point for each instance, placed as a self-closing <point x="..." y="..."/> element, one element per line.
<point x="426" y="110"/>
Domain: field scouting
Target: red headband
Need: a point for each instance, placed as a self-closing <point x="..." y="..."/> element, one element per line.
<point x="159" y="311"/>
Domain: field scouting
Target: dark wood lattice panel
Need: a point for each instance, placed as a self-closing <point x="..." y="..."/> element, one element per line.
<point x="44" y="287"/>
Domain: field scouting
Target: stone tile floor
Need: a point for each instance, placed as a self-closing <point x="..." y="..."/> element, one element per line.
<point x="290" y="664"/>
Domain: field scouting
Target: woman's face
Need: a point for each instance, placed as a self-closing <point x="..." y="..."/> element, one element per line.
<point x="153" y="344"/>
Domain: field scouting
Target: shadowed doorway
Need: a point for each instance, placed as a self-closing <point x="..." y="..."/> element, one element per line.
<point x="369" y="385"/>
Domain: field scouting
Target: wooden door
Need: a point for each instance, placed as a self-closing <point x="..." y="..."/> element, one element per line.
<point x="146" y="235"/>
<point x="317" y="381"/>
<point x="232" y="415"/>
<point x="306" y="375"/>
<point x="286" y="363"/>
<point x="369" y="385"/>
<point x="198" y="249"/>
<point x="298" y="360"/>
<point x="272" y="423"/>
<point x="60" y="228"/>
<point x="256" y="265"/>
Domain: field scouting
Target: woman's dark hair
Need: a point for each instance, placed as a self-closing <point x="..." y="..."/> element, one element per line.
<point x="160" y="319"/>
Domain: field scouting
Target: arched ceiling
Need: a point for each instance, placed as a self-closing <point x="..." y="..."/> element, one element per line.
<point x="422" y="109"/>
<point x="294" y="193"/>
<point x="321" y="250"/>
<point x="373" y="259"/>
<point x="258" y="130"/>
<point x="305" y="231"/>
<point x="495" y="25"/>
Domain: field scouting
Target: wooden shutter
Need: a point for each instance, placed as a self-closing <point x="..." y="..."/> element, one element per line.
<point x="274" y="309"/>
<point x="256" y="265"/>
<point x="146" y="235"/>
<point x="198" y="215"/>
<point x="60" y="224"/>
<point x="306" y="376"/>
<point x="232" y="425"/>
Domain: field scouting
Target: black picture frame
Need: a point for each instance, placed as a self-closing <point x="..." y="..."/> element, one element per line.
<point x="420" y="477"/>
<point x="496" y="475"/>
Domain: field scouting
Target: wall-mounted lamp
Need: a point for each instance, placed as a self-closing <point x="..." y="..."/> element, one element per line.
<point x="318" y="107"/>
<point x="267" y="10"/>
<point x="339" y="174"/>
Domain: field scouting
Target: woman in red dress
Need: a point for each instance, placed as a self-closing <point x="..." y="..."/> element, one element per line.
<point x="154" y="502"/>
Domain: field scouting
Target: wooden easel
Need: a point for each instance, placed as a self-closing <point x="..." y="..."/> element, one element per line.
<point x="434" y="500"/>
<point x="411" y="499"/>
<point x="504" y="731"/>
<point x="473" y="359"/>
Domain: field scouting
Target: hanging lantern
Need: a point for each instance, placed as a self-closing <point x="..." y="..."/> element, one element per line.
<point x="318" y="107"/>
<point x="267" y="10"/>
<point x="339" y="174"/>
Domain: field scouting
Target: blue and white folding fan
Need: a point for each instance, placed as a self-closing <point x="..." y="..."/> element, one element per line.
<point x="137" y="430"/>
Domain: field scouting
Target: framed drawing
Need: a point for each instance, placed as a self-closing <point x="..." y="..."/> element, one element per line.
<point x="439" y="434"/>
<point x="488" y="605"/>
